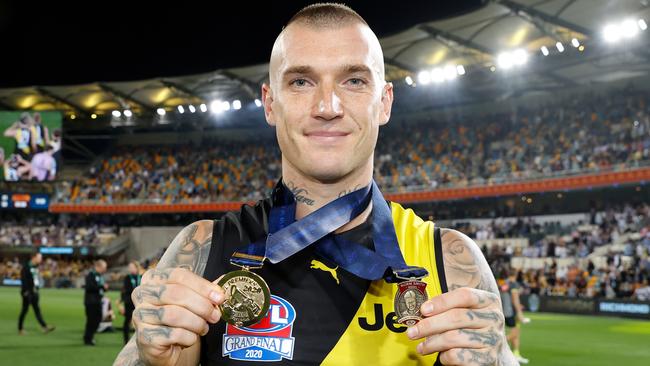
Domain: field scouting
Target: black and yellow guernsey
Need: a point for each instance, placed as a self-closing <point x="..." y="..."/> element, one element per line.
<point x="320" y="314"/>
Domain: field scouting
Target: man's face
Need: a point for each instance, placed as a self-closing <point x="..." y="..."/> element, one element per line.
<point x="101" y="267"/>
<point x="327" y="98"/>
<point x="38" y="258"/>
<point x="410" y="300"/>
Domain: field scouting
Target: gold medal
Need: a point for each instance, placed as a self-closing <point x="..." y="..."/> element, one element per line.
<point x="247" y="298"/>
<point x="409" y="298"/>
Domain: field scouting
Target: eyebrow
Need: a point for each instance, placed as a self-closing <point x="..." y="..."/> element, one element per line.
<point x="356" y="68"/>
<point x="347" y="68"/>
<point x="298" y="70"/>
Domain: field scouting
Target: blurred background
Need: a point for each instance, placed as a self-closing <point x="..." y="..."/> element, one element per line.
<point x="522" y="123"/>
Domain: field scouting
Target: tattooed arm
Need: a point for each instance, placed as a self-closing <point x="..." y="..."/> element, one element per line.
<point x="174" y="304"/>
<point x="464" y="325"/>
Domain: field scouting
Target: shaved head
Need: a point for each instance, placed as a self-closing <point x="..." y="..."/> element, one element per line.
<point x="325" y="16"/>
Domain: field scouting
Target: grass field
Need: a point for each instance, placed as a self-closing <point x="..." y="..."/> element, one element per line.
<point x="550" y="339"/>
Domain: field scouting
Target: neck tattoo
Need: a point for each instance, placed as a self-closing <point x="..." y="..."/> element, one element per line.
<point x="300" y="194"/>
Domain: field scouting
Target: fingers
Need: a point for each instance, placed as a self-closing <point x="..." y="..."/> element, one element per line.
<point x="174" y="294"/>
<point x="456" y="319"/>
<point x="463" y="297"/>
<point x="173" y="316"/>
<point x="461" y="338"/>
<point x="187" y="278"/>
<point x="463" y="356"/>
<point x="158" y="336"/>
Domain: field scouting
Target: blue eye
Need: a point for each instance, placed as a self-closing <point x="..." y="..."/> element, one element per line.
<point x="299" y="82"/>
<point x="356" y="82"/>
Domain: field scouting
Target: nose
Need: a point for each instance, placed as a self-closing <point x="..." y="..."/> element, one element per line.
<point x="327" y="105"/>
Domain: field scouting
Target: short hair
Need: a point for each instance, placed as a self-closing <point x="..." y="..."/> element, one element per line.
<point x="326" y="15"/>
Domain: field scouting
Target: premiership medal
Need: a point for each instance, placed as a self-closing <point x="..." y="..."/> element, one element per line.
<point x="247" y="298"/>
<point x="410" y="296"/>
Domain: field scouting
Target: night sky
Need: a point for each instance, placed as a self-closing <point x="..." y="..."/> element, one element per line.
<point x="56" y="43"/>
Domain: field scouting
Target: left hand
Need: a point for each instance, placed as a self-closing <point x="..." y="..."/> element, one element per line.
<point x="464" y="325"/>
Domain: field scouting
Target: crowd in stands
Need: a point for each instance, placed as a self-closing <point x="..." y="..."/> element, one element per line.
<point x="58" y="273"/>
<point x="48" y="231"/>
<point x="624" y="233"/>
<point x="585" y="134"/>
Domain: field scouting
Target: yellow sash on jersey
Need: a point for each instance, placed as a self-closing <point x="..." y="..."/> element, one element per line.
<point x="358" y="346"/>
<point x="22" y="140"/>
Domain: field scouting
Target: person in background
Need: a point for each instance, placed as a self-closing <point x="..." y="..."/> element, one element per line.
<point x="108" y="315"/>
<point x="30" y="283"/>
<point x="131" y="281"/>
<point x="512" y="311"/>
<point x="94" y="292"/>
<point x="21" y="132"/>
<point x="40" y="134"/>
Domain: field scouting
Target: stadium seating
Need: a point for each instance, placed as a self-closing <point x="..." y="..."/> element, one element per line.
<point x="587" y="134"/>
<point x="607" y="256"/>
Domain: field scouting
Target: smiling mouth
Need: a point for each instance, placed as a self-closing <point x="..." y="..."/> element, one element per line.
<point x="326" y="134"/>
<point x="326" y="137"/>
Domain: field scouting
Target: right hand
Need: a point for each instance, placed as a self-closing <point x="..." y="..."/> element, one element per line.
<point x="173" y="307"/>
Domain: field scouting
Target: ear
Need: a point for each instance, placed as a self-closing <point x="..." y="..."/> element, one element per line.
<point x="267" y="102"/>
<point x="387" y="103"/>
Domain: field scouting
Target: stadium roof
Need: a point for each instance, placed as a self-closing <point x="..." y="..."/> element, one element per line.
<point x="474" y="40"/>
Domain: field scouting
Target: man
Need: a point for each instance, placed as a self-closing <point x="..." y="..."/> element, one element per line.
<point x="131" y="281"/>
<point x="43" y="165"/>
<point x="40" y="134"/>
<point x="21" y="132"/>
<point x="512" y="311"/>
<point x="30" y="282"/>
<point x="16" y="168"/>
<point x="326" y="97"/>
<point x="93" y="294"/>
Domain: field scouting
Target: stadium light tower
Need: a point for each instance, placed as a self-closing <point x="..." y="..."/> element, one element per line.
<point x="161" y="111"/>
<point x="127" y="113"/>
<point x="117" y="114"/>
<point x="236" y="104"/>
<point x="181" y="110"/>
<point x="424" y="77"/>
<point x="626" y="29"/>
<point x="544" y="50"/>
<point x="215" y="106"/>
<point x="258" y="102"/>
<point x="509" y="59"/>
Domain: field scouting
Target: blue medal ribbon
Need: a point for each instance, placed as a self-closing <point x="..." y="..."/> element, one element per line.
<point x="287" y="237"/>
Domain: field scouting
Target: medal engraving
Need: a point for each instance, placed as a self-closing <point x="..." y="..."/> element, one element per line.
<point x="247" y="298"/>
<point x="408" y="299"/>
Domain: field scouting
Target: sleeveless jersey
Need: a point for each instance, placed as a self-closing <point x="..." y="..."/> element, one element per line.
<point x="23" y="137"/>
<point x="38" y="134"/>
<point x="319" y="313"/>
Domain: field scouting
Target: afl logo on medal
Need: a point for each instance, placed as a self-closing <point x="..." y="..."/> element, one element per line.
<point x="268" y="340"/>
<point x="408" y="299"/>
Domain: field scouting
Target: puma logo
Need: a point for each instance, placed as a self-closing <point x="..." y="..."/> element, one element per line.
<point x="319" y="265"/>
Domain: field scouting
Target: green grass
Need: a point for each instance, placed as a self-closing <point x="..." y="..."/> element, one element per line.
<point x="550" y="339"/>
<point x="63" y="309"/>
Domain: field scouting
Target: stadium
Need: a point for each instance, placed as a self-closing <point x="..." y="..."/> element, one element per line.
<point x="524" y="124"/>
